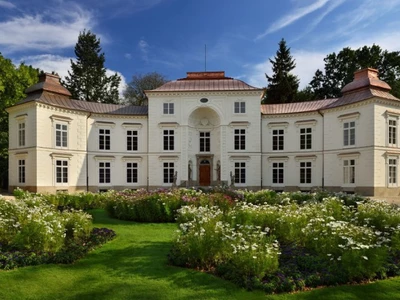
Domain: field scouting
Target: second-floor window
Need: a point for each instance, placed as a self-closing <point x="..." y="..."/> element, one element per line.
<point x="305" y="138"/>
<point x="61" y="135"/>
<point x="131" y="140"/>
<point x="21" y="134"/>
<point x="240" y="139"/>
<point x="168" y="108"/>
<point x="104" y="139"/>
<point x="349" y="133"/>
<point x="392" y="132"/>
<point x="240" y="107"/>
<point x="168" y="140"/>
<point x="277" y="139"/>
<point x="205" y="141"/>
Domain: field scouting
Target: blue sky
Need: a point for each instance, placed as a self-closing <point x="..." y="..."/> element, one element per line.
<point x="169" y="36"/>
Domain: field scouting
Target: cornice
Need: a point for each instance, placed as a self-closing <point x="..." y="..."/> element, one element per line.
<point x="208" y="93"/>
<point x="59" y="109"/>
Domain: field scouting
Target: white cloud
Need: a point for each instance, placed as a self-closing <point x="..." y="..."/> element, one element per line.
<point x="61" y="65"/>
<point x="144" y="49"/>
<point x="128" y="56"/>
<point x="56" y="28"/>
<point x="293" y="16"/>
<point x="6" y="4"/>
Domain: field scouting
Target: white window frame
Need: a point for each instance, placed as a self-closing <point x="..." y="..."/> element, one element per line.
<point x="167" y="135"/>
<point x="240" y="173"/>
<point x="349" y="171"/>
<point x="305" y="166"/>
<point x="21" y="133"/>
<point x="102" y="164"/>
<point x="279" y="166"/>
<point x="168" y="108"/>
<point x="104" y="135"/>
<point x="168" y="168"/>
<point x="239" y="107"/>
<point x="307" y="132"/>
<point x="131" y="168"/>
<point x="239" y="134"/>
<point x="349" y="127"/>
<point x="205" y="140"/>
<point x="64" y="165"/>
<point x="278" y="133"/>
<point x="63" y="132"/>
<point x="392" y="131"/>
<point x="392" y="170"/>
<point x="132" y="137"/>
<point x="22" y="171"/>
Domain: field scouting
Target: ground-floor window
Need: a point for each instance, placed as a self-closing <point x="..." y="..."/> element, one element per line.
<point x="131" y="172"/>
<point x="61" y="171"/>
<point x="305" y="172"/>
<point x="278" y="172"/>
<point x="240" y="172"/>
<point x="21" y="170"/>
<point x="104" y="172"/>
<point x="168" y="172"/>
<point x="392" y="172"/>
<point x="349" y="171"/>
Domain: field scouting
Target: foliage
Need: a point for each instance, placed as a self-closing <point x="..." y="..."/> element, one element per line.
<point x="82" y="200"/>
<point x="339" y="70"/>
<point x="72" y="251"/>
<point x="33" y="225"/>
<point x="134" y="93"/>
<point x="13" y="82"/>
<point x="324" y="242"/>
<point x="88" y="80"/>
<point x="282" y="85"/>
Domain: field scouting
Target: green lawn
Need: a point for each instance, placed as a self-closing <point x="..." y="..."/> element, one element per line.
<point x="134" y="266"/>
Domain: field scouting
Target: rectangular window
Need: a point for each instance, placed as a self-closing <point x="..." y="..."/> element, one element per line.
<point x="131" y="140"/>
<point x="104" y="172"/>
<point x="240" y="107"/>
<point x="169" y="140"/>
<point x="305" y="138"/>
<point x="240" y="139"/>
<point x="168" y="108"/>
<point x="104" y="139"/>
<point x="62" y="171"/>
<point x="277" y="139"/>
<point x="205" y="142"/>
<point x="240" y="172"/>
<point x="61" y="135"/>
<point x="21" y="134"/>
<point x="21" y="170"/>
<point x="392" y="170"/>
<point x="392" y="131"/>
<point x="349" y="171"/>
<point x="131" y="172"/>
<point x="277" y="172"/>
<point x="349" y="133"/>
<point x="305" y="172"/>
<point x="168" y="171"/>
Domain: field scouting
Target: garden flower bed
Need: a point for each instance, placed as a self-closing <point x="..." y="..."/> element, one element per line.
<point x="275" y="242"/>
<point x="33" y="232"/>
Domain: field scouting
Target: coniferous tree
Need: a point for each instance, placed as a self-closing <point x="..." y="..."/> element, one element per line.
<point x="88" y="80"/>
<point x="282" y="85"/>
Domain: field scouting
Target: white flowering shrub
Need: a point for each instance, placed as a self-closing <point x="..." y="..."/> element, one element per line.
<point x="32" y="224"/>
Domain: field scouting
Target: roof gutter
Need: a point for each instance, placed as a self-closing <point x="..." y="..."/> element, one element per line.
<point x="323" y="149"/>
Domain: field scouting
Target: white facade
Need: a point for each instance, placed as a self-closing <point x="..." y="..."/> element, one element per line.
<point x="207" y="130"/>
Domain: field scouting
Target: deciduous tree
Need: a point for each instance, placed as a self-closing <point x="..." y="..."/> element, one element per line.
<point x="134" y="92"/>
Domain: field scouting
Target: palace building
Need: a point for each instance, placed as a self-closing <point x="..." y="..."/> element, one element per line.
<point x="205" y="130"/>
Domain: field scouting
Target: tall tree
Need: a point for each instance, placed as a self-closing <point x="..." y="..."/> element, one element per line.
<point x="134" y="92"/>
<point x="282" y="85"/>
<point x="13" y="82"/>
<point x="88" y="80"/>
<point x="339" y="70"/>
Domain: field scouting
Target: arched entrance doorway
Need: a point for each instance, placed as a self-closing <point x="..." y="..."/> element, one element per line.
<point x="204" y="172"/>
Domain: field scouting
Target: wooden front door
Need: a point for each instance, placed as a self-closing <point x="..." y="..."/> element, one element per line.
<point x="204" y="173"/>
